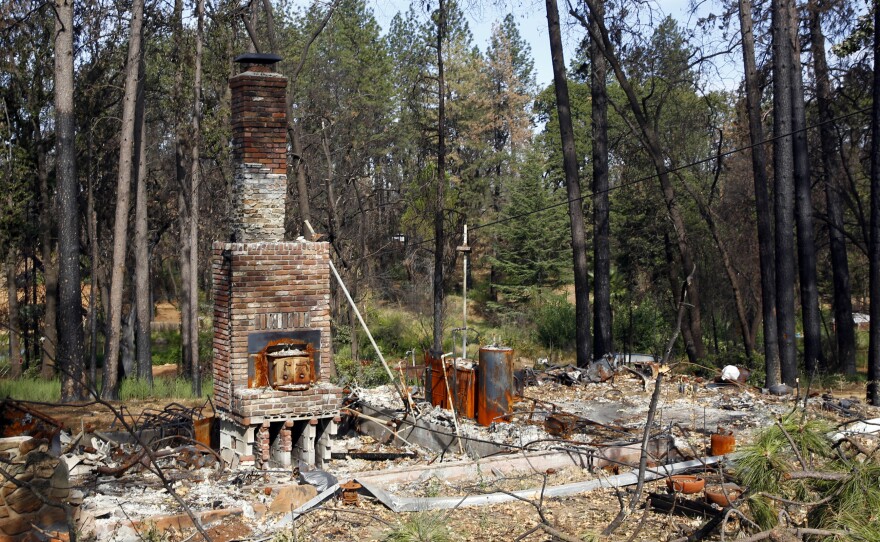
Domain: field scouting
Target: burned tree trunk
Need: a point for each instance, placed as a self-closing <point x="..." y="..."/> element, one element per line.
<point x="806" y="245"/>
<point x="602" y="330"/>
<point x="694" y="335"/>
<point x="762" y="198"/>
<point x="573" y="188"/>
<point x="70" y="331"/>
<point x="873" y="388"/>
<point x="846" y="351"/>
<point x="142" y="298"/>
<point x="439" y="194"/>
<point x="783" y="174"/>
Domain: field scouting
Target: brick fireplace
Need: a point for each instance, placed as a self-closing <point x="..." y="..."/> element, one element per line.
<point x="272" y="353"/>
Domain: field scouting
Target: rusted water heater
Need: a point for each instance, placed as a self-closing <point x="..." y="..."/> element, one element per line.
<point x="435" y="387"/>
<point x="495" y="385"/>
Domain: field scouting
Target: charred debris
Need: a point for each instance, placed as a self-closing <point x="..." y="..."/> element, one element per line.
<point x="417" y="447"/>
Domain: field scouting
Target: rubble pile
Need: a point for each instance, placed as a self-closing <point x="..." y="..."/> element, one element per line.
<point x="35" y="493"/>
<point x="568" y="431"/>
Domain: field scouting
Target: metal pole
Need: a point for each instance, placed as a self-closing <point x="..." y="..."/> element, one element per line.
<point x="464" y="299"/>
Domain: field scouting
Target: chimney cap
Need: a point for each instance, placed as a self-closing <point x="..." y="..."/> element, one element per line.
<point x="258" y="58"/>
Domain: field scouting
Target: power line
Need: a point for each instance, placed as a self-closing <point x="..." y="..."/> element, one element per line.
<point x="654" y="175"/>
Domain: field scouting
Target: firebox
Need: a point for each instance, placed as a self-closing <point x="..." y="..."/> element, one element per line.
<point x="272" y="350"/>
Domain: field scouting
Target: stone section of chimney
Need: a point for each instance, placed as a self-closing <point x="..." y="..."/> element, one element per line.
<point x="259" y="139"/>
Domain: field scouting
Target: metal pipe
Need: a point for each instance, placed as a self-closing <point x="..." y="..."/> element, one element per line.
<point x="464" y="297"/>
<point x="451" y="400"/>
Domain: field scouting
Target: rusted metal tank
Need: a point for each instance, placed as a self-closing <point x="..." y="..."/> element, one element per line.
<point x="495" y="385"/>
<point x="434" y="383"/>
<point x="465" y="391"/>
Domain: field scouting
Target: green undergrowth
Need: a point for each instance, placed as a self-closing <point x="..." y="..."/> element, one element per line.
<point x="797" y="442"/>
<point x="424" y="526"/>
<point x="49" y="391"/>
<point x="166" y="346"/>
<point x="31" y="389"/>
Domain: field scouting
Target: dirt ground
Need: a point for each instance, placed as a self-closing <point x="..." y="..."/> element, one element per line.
<point x="578" y="516"/>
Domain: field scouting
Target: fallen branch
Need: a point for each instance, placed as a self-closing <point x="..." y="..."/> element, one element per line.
<point x="556" y="533"/>
<point x="814" y="475"/>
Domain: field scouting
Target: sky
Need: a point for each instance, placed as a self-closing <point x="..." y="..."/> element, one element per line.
<point x="530" y="15"/>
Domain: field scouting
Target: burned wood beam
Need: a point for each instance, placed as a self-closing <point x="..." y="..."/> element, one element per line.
<point x="374" y="456"/>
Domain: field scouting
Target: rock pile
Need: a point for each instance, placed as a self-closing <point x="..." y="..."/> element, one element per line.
<point x="35" y="489"/>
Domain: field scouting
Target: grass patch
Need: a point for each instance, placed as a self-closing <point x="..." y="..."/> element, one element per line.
<point x="49" y="391"/>
<point x="31" y="389"/>
<point x="166" y="346"/>
<point x="163" y="388"/>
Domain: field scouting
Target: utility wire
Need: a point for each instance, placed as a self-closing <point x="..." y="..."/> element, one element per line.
<point x="654" y="175"/>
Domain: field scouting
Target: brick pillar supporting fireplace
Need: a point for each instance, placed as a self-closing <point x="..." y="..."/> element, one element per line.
<point x="272" y="352"/>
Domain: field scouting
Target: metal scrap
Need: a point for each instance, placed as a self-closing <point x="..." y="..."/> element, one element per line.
<point x="19" y="419"/>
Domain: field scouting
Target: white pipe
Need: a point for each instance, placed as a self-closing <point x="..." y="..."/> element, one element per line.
<point x="464" y="298"/>
<point x="414" y="504"/>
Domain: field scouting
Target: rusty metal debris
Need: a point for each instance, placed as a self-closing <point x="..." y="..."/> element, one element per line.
<point x="17" y="419"/>
<point x="176" y="420"/>
<point x="350" y="492"/>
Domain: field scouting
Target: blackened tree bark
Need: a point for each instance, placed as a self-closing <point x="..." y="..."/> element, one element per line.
<point x="70" y="331"/>
<point x="14" y="330"/>
<point x="439" y="195"/>
<point x="183" y="193"/>
<point x="110" y="389"/>
<point x="831" y="170"/>
<point x="762" y="198"/>
<point x="602" y="334"/>
<point x="806" y="245"/>
<point x="694" y="335"/>
<point x="873" y="387"/>
<point x="92" y="227"/>
<point x="50" y="265"/>
<point x="142" y="297"/>
<point x="195" y="181"/>
<point x="783" y="175"/>
<point x="573" y="187"/>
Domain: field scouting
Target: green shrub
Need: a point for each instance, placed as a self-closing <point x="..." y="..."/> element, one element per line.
<point x="641" y="328"/>
<point x="555" y="323"/>
<point x="367" y="373"/>
<point x="420" y="527"/>
<point x="166" y="347"/>
<point x="163" y="388"/>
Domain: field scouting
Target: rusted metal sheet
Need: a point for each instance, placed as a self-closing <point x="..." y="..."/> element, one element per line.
<point x="465" y="391"/>
<point x="435" y="384"/>
<point x="203" y="429"/>
<point x="17" y="419"/>
<point x="562" y="424"/>
<point x="495" y="385"/>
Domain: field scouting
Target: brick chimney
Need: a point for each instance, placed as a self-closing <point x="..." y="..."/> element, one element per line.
<point x="272" y="346"/>
<point x="259" y="139"/>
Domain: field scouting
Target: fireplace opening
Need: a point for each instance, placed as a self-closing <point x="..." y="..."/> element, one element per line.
<point x="289" y="364"/>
